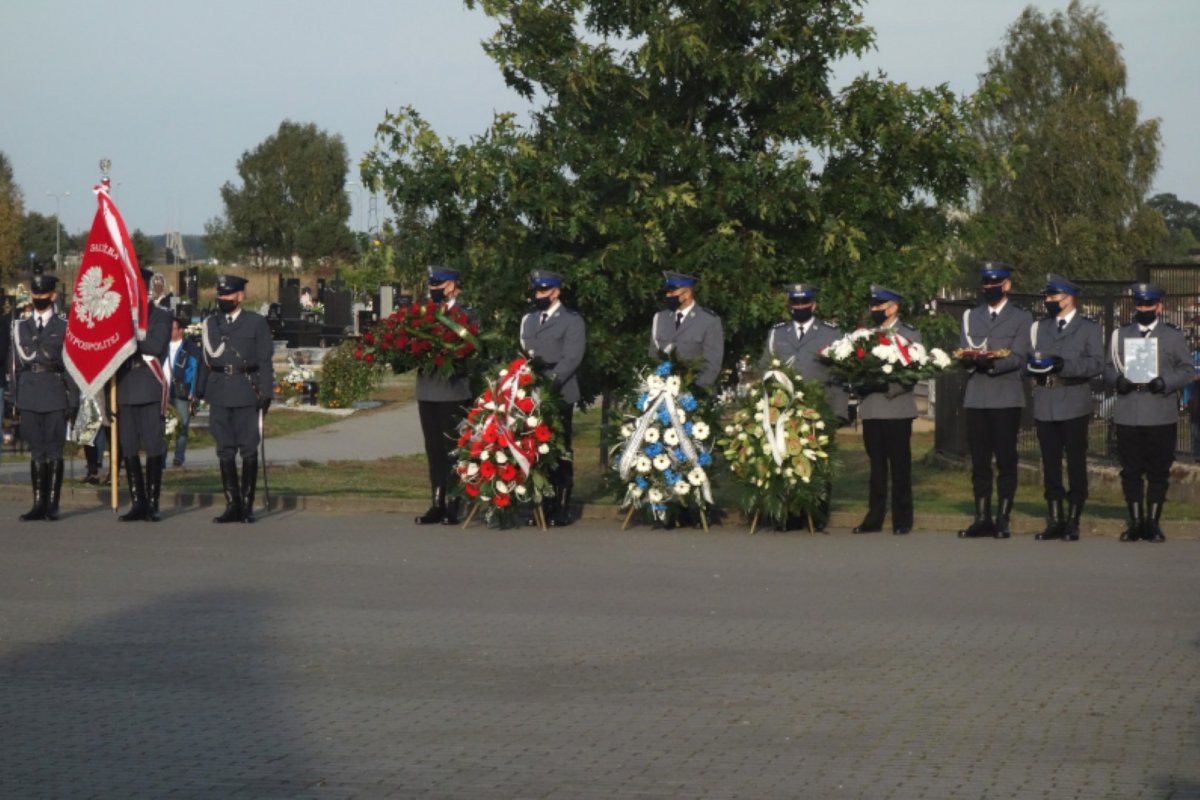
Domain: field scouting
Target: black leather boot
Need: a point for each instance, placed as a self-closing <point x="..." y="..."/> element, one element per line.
<point x="53" y="479"/>
<point x="154" y="473"/>
<point x="562" y="512"/>
<point x="437" y="510"/>
<point x="36" y="468"/>
<point x="1071" y="527"/>
<point x="453" y="509"/>
<point x="137" y="490"/>
<point x="1055" y="521"/>
<point x="1135" y="523"/>
<point x="982" y="526"/>
<point x="1152" y="532"/>
<point x="249" y="482"/>
<point x="233" y="493"/>
<point x="1003" y="514"/>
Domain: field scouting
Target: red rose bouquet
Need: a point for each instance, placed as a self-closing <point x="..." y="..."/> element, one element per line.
<point x="509" y="443"/>
<point x="425" y="336"/>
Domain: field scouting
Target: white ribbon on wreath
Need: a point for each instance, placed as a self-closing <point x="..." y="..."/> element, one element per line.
<point x="634" y="444"/>
<point x="776" y="439"/>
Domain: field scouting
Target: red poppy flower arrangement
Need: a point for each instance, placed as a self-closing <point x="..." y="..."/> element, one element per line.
<point x="424" y="336"/>
<point x="509" y="443"/>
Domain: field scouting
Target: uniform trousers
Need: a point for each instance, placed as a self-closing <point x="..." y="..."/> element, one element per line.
<point x="889" y="447"/>
<point x="235" y="430"/>
<point x="1068" y="436"/>
<point x="1146" y="451"/>
<point x="45" y="432"/>
<point x="564" y="473"/>
<point x="439" y="426"/>
<point x="141" y="423"/>
<point x="992" y="432"/>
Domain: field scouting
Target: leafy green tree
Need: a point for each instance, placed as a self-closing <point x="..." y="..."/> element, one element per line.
<point x="1070" y="162"/>
<point x="374" y="265"/>
<point x="37" y="236"/>
<point x="12" y="216"/>
<point x="697" y="136"/>
<point x="293" y="199"/>
<point x="1182" y="219"/>
<point x="221" y="240"/>
<point x="143" y="248"/>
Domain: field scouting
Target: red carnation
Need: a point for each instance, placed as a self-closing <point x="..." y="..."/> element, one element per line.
<point x="476" y="449"/>
<point x="462" y="440"/>
<point x="525" y="404"/>
<point x="508" y="472"/>
<point x="449" y="336"/>
<point x="487" y="470"/>
<point x="369" y="358"/>
<point x="439" y="360"/>
<point x="472" y="490"/>
<point x="860" y="353"/>
<point x="542" y="433"/>
<point x="501" y="499"/>
<point x="525" y="379"/>
<point x="358" y="354"/>
<point x="474" y="329"/>
<point x="369" y="337"/>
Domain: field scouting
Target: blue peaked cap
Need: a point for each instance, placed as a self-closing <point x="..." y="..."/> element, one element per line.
<point x="994" y="271"/>
<point x="675" y="280"/>
<point x="882" y="294"/>
<point x="1057" y="283"/>
<point x="1146" y="292"/>
<point x="544" y="279"/>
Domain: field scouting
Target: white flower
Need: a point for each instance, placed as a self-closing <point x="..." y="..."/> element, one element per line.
<point x="917" y="352"/>
<point x="940" y="359"/>
<point x="741" y="436"/>
<point x="483" y="498"/>
<point x="654" y="384"/>
<point x="484" y="455"/>
<point x="532" y="422"/>
<point x="520" y="394"/>
<point x="643" y="464"/>
<point x="501" y="458"/>
<point x="504" y="373"/>
<point x="626" y="431"/>
<point x="696" y="477"/>
<point x="757" y="417"/>
<point x="810" y="454"/>
<point x="887" y="369"/>
<point x="682" y="488"/>
<point x="655" y="494"/>
<point x="820" y="425"/>
<point x="543" y="448"/>
<point x="673" y="384"/>
<point x="490" y="406"/>
<point x="661" y="462"/>
<point x="670" y="438"/>
<point x="681" y="415"/>
<point x="502" y="487"/>
<point x="700" y="431"/>
<point x="651" y="435"/>
<point x="472" y="469"/>
<point x="521" y="490"/>
<point x="635" y="490"/>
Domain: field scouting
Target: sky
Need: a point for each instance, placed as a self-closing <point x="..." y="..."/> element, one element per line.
<point x="174" y="93"/>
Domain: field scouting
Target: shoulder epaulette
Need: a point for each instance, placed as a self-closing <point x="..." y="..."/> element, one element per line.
<point x="829" y="324"/>
<point x="1168" y="324"/>
<point x="783" y="324"/>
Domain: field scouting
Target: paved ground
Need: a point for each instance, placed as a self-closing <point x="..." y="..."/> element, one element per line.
<point x="358" y="656"/>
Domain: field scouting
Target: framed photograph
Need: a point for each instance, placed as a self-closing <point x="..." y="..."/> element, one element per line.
<point x="1141" y="360"/>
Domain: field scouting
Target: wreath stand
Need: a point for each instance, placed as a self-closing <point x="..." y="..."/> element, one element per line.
<point x="538" y="515"/>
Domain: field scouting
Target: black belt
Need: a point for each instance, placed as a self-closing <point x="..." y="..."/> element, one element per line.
<point x="36" y="368"/>
<point x="1141" y="387"/>
<point x="1050" y="381"/>
<point x="232" y="370"/>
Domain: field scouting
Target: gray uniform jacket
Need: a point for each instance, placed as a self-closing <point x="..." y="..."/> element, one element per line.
<point x="1000" y="386"/>
<point x="5" y="358"/>
<point x="457" y="388"/>
<point x="42" y="382"/>
<point x="237" y="367"/>
<point x="898" y="401"/>
<point x="1174" y="367"/>
<point x="559" y="342"/>
<point x="801" y="354"/>
<point x="1067" y="394"/>
<point x="136" y="382"/>
<point x="699" y="338"/>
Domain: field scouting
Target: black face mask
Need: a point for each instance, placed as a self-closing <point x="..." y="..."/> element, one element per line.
<point x="802" y="315"/>
<point x="437" y="295"/>
<point x="541" y="303"/>
<point x="42" y="303"/>
<point x="672" y="302"/>
<point x="1145" y="318"/>
<point x="993" y="294"/>
<point x="879" y="317"/>
<point x="227" y="306"/>
<point x="1053" y="307"/>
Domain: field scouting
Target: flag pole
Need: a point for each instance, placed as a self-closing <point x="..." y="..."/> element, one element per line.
<point x="112" y="448"/>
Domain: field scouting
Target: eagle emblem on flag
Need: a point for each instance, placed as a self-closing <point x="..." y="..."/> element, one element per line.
<point x="94" y="299"/>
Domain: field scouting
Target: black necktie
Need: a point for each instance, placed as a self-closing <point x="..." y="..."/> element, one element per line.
<point x="229" y="319"/>
<point x="1145" y="333"/>
<point x="994" y="315"/>
<point x="1062" y="323"/>
<point x="545" y="316"/>
<point x="678" y="318"/>
<point x="41" y="326"/>
<point x="799" y="331"/>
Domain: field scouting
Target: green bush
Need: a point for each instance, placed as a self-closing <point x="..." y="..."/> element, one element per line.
<point x="345" y="380"/>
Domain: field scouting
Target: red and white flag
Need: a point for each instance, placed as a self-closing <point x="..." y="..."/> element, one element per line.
<point x="108" y="314"/>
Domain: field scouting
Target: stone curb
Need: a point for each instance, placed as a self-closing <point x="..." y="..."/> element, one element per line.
<point x="76" y="498"/>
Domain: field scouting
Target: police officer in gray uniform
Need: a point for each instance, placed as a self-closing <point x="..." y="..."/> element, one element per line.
<point x="556" y="337"/>
<point x="441" y="405"/>
<point x="141" y="404"/>
<point x="1066" y="352"/>
<point x="887" y="410"/>
<point x="237" y="381"/>
<point x="994" y="397"/>
<point x="1146" y="414"/>
<point x="687" y="332"/>
<point x="45" y="395"/>
<point x="798" y="343"/>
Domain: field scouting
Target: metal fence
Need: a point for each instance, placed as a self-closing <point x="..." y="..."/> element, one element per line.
<point x="1109" y="304"/>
